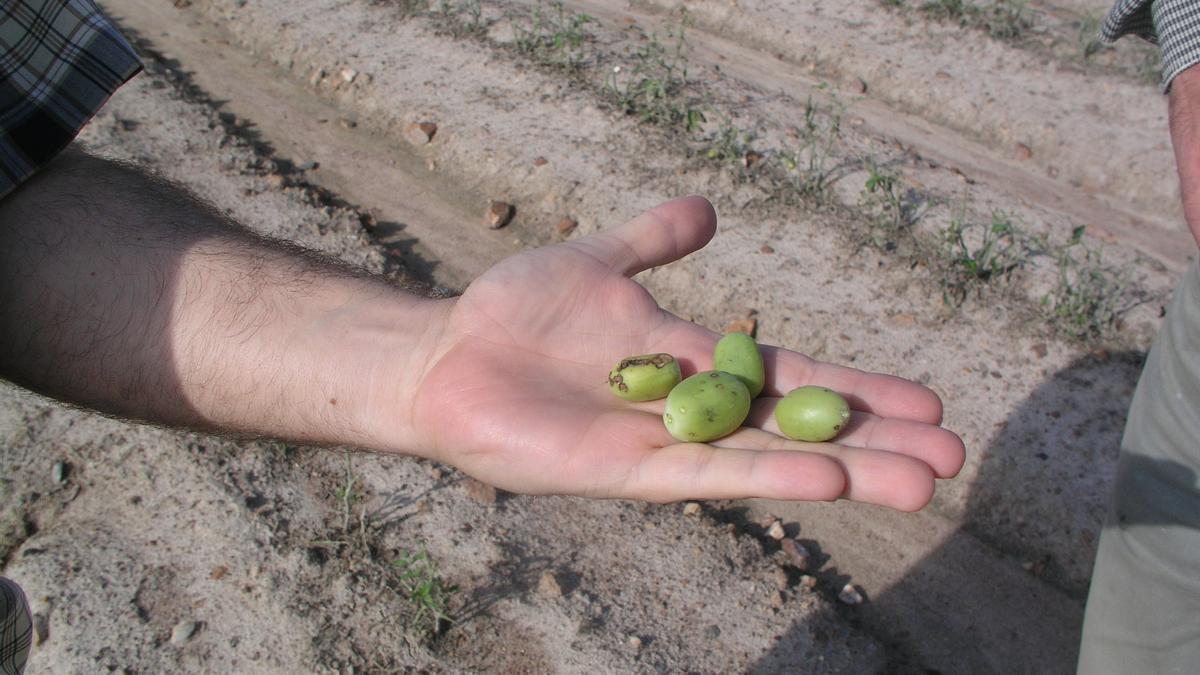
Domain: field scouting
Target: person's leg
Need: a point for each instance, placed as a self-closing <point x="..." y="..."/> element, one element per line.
<point x="16" y="628"/>
<point x="1143" y="609"/>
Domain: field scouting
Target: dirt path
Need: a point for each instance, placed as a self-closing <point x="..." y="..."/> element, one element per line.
<point x="288" y="570"/>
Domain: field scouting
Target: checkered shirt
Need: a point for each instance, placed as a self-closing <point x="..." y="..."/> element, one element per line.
<point x="60" y="60"/>
<point x="1173" y="25"/>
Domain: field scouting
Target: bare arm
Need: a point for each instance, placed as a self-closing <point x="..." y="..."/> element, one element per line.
<point x="1184" y="118"/>
<point x="124" y="294"/>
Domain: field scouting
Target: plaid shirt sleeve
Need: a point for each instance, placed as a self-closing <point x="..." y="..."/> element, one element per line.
<point x="1173" y="25"/>
<point x="60" y="60"/>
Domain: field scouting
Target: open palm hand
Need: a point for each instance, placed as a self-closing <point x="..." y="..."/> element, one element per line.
<point x="518" y="396"/>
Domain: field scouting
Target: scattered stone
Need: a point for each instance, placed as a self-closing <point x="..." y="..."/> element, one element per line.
<point x="751" y="158"/>
<point x="712" y="632"/>
<point x="435" y="473"/>
<point x="777" y="599"/>
<point x="347" y="122"/>
<point x="775" y="531"/>
<point x="780" y="577"/>
<point x="808" y="582"/>
<point x="850" y="595"/>
<point x="747" y="326"/>
<point x="255" y="570"/>
<point x="566" y="226"/>
<point x="1039" y="350"/>
<point x="479" y="491"/>
<point x="797" y="555"/>
<point x="420" y="133"/>
<point x="540" y="161"/>
<point x="766" y="248"/>
<point x="180" y="4"/>
<point x="548" y="585"/>
<point x="308" y="166"/>
<point x="316" y="77"/>
<point x="860" y="85"/>
<point x="348" y="75"/>
<point x="904" y="320"/>
<point x="1023" y="151"/>
<point x="59" y="472"/>
<point x="183" y="631"/>
<point x="41" y="629"/>
<point x="1037" y="567"/>
<point x="635" y="642"/>
<point x="943" y="75"/>
<point x="276" y="181"/>
<point x="498" y="214"/>
<point x="691" y="509"/>
<point x="218" y="572"/>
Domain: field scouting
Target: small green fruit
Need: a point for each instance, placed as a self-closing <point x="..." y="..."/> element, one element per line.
<point x="706" y="406"/>
<point x="644" y="378"/>
<point x="812" y="414"/>
<point x="737" y="353"/>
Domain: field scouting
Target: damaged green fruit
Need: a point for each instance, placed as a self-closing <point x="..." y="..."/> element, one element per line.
<point x="737" y="353"/>
<point x="644" y="378"/>
<point x="706" y="406"/>
<point x="812" y="414"/>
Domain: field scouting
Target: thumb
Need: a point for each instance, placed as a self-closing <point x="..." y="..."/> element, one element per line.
<point x="661" y="235"/>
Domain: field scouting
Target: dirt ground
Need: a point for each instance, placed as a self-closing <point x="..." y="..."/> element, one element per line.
<point x="149" y="550"/>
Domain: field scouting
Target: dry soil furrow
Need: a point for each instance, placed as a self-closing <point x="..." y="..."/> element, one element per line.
<point x="1103" y="136"/>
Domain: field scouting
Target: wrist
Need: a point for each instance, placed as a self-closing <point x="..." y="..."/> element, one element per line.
<point x="388" y="340"/>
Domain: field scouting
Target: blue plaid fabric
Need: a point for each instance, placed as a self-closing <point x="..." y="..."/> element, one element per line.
<point x="16" y="628"/>
<point x="1173" y="25"/>
<point x="60" y="60"/>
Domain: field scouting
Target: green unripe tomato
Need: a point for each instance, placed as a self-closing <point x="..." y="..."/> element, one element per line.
<point x="644" y="378"/>
<point x="737" y="353"/>
<point x="706" y="406"/>
<point x="812" y="414"/>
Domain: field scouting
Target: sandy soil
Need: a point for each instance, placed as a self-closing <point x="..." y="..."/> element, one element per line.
<point x="147" y="550"/>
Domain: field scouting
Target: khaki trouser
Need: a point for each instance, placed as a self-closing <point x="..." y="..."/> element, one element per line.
<point x="1143" y="610"/>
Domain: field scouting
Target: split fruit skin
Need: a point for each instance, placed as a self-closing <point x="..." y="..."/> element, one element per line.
<point x="813" y="414"/>
<point x="737" y="353"/>
<point x="706" y="406"/>
<point x="644" y="378"/>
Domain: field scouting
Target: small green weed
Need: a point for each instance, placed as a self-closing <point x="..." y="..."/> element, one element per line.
<point x="731" y="144"/>
<point x="810" y="167"/>
<point x="464" y="17"/>
<point x="656" y="86"/>
<point x="1001" y="19"/>
<point x="1088" y="38"/>
<point x="1090" y="297"/>
<point x="891" y="209"/>
<point x="427" y="593"/>
<point x="346" y="495"/>
<point x="975" y="255"/>
<point x="554" y="37"/>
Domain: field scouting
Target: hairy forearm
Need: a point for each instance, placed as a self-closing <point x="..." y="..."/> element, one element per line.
<point x="124" y="294"/>
<point x="1184" y="117"/>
